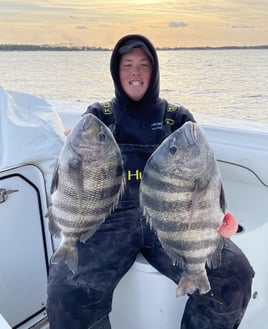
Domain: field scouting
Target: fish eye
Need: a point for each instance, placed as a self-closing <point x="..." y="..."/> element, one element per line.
<point x="102" y="137"/>
<point x="74" y="163"/>
<point x="172" y="150"/>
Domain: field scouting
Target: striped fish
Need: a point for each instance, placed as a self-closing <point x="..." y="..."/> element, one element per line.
<point x="86" y="186"/>
<point x="182" y="197"/>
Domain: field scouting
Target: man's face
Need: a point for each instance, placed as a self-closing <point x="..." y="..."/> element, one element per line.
<point x="135" y="72"/>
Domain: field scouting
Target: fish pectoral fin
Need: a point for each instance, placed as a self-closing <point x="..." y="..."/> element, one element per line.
<point x="68" y="254"/>
<point x="223" y="203"/>
<point x="55" y="179"/>
<point x="197" y="196"/>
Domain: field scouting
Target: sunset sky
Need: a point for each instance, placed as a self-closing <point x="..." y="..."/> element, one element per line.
<point x="168" y="23"/>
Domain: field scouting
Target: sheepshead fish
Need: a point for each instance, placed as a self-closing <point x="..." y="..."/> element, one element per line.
<point x="182" y="197"/>
<point x="86" y="186"/>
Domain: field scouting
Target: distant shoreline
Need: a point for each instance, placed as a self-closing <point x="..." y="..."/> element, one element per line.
<point x="15" y="47"/>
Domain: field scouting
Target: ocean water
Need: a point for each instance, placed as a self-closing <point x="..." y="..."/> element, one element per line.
<point x="226" y="84"/>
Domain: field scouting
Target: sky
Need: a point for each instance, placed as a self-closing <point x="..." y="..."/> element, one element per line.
<point x="168" y="23"/>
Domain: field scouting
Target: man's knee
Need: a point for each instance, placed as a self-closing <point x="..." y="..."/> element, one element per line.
<point x="225" y="304"/>
<point x="71" y="306"/>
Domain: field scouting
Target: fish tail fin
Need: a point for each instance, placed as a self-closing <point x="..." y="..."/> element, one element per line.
<point x="68" y="254"/>
<point x="189" y="283"/>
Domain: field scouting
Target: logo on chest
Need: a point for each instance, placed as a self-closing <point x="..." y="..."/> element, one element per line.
<point x="134" y="175"/>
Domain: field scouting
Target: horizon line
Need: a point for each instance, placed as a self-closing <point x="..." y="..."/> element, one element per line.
<point x="85" y="48"/>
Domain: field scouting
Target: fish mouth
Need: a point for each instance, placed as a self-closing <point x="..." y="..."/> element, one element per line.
<point x="191" y="132"/>
<point x="77" y="140"/>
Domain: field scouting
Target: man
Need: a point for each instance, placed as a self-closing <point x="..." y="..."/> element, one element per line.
<point x="140" y="120"/>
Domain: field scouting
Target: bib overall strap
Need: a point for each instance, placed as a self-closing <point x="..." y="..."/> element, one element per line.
<point x="109" y="117"/>
<point x="169" y="121"/>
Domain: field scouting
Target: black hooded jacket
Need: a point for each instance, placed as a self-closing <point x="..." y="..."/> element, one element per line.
<point x="138" y="122"/>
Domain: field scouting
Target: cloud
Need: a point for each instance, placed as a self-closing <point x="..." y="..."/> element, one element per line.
<point x="177" y="24"/>
<point x="203" y="23"/>
<point x="241" y="26"/>
<point x="82" y="27"/>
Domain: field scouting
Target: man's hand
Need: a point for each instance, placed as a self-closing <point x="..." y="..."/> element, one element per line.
<point x="67" y="131"/>
<point x="228" y="226"/>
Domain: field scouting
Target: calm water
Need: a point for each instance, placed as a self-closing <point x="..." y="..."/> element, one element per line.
<point x="218" y="83"/>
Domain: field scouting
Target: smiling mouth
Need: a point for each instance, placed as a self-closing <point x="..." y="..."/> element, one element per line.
<point x="136" y="83"/>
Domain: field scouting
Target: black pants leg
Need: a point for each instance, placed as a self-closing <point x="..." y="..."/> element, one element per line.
<point x="83" y="300"/>
<point x="224" y="306"/>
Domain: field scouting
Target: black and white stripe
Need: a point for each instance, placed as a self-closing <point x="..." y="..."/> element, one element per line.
<point x="184" y="209"/>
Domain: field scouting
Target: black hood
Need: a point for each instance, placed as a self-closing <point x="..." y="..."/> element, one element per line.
<point x="124" y="45"/>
